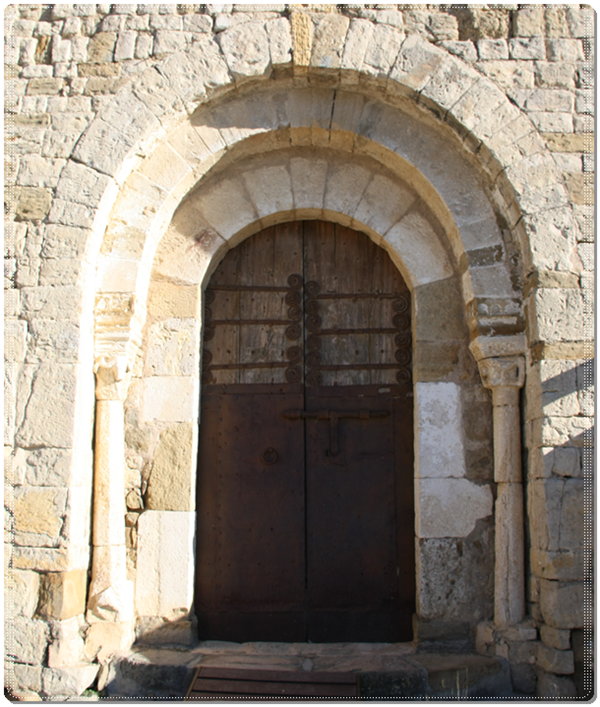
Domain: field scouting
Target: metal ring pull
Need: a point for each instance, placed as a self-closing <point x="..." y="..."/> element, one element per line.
<point x="270" y="456"/>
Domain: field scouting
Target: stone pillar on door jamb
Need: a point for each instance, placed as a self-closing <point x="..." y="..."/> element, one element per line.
<point x="505" y="376"/>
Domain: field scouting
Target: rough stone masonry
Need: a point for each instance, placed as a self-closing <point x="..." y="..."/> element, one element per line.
<point x="143" y="141"/>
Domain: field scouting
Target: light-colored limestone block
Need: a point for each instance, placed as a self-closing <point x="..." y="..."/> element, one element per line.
<point x="383" y="204"/>
<point x="39" y="511"/>
<point x="167" y="300"/>
<point x="328" y="41"/>
<point x="382" y="50"/>
<point x="47" y="412"/>
<point x="280" y="40"/>
<point x="440" y="451"/>
<point x="21" y="593"/>
<point x="66" y="649"/>
<point x="173" y="348"/>
<point x="447" y="508"/>
<point x="270" y="189"/>
<point x="345" y="186"/>
<point x="104" y="638"/>
<point x="308" y="182"/>
<point x="165" y="167"/>
<point x="183" y="254"/>
<point x="356" y="44"/>
<point x="246" y="50"/>
<point x="165" y="575"/>
<point x="170" y="399"/>
<point x="416" y="62"/>
<point x="68" y="681"/>
<point x="420" y="249"/>
<point x="226" y="206"/>
<point x="27" y="640"/>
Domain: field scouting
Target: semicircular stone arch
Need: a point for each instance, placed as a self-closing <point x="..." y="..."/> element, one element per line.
<point x="210" y="150"/>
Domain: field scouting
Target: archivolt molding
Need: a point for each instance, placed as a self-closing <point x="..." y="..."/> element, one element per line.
<point x="134" y="131"/>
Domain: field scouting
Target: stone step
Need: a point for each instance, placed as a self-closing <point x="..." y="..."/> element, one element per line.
<point x="385" y="670"/>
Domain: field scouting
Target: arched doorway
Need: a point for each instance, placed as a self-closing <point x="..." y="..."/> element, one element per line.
<point x="305" y="474"/>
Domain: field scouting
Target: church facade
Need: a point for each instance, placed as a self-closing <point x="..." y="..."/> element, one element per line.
<point x="370" y="225"/>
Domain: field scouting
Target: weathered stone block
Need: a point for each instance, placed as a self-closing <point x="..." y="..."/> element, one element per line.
<point x="15" y="334"/>
<point x="166" y="300"/>
<point x="68" y="681"/>
<point x="43" y="467"/>
<point x="63" y="594"/>
<point x="169" y="399"/>
<point x="47" y="416"/>
<point x="66" y="648"/>
<point x="50" y="302"/>
<point x="433" y="361"/>
<point x="555" y="637"/>
<point x="103" y="638"/>
<point x="164" y="585"/>
<point x="26" y="640"/>
<point x="491" y="49"/>
<point x="101" y="46"/>
<point x="356" y="43"/>
<point x="328" y="41"/>
<point x="170" y="484"/>
<point x="529" y="21"/>
<point x="429" y="325"/>
<point x="533" y="48"/>
<point x="38" y="512"/>
<point x="557" y="513"/>
<point x="382" y="50"/>
<point x="20" y="593"/>
<point x="28" y="677"/>
<point x="280" y="40"/>
<point x="555" y="661"/>
<point x="559" y="315"/>
<point x="570" y="50"/>
<point x="449" y="507"/>
<point x="456" y="579"/>
<point x="173" y="348"/>
<point x="270" y="189"/>
<point x="562" y="603"/>
<point x="440" y="448"/>
<point x="554" y="74"/>
<point x="555" y="687"/>
<point x="246" y="50"/>
<point x="33" y="204"/>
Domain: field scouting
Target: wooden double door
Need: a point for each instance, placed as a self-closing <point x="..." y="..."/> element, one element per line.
<point x="305" y="492"/>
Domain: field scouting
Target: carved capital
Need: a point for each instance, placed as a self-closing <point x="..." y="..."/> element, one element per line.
<point x="508" y="372"/>
<point x="112" y="377"/>
<point x="118" y="323"/>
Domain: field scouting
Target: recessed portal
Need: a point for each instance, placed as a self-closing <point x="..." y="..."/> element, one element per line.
<point x="305" y="474"/>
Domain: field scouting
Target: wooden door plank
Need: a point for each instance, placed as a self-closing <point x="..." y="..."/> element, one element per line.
<point x="267" y="260"/>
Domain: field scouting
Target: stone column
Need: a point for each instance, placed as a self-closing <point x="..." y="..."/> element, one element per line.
<point x="505" y="376"/>
<point x="110" y="598"/>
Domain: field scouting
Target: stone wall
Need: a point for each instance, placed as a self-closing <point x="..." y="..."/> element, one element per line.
<point x="76" y="130"/>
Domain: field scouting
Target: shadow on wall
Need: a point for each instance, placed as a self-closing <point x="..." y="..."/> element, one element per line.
<point x="155" y="672"/>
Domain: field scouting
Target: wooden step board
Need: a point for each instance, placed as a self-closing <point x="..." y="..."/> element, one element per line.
<point x="223" y="683"/>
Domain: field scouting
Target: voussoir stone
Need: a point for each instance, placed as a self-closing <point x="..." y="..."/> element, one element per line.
<point x="328" y="41"/>
<point x="246" y="50"/>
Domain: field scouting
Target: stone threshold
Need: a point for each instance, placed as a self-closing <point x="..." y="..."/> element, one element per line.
<point x="385" y="670"/>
